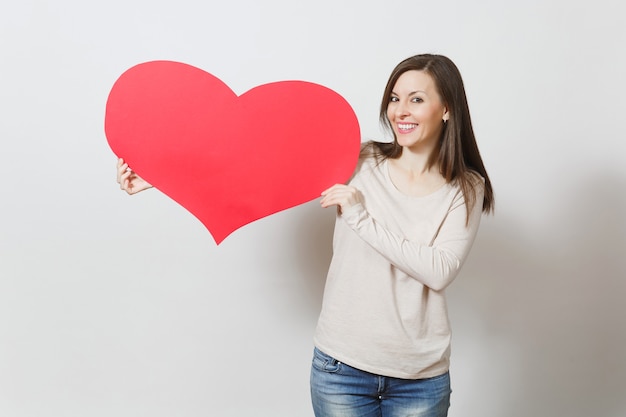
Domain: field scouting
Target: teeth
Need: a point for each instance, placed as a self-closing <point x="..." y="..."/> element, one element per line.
<point x="406" y="126"/>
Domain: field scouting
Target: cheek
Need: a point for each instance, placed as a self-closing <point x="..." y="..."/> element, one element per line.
<point x="433" y="115"/>
<point x="389" y="113"/>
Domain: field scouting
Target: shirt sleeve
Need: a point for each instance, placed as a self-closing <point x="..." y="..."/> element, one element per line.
<point x="436" y="264"/>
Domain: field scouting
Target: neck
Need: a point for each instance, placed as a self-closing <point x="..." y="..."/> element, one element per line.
<point x="418" y="163"/>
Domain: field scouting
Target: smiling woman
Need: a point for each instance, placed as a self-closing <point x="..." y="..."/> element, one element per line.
<point x="405" y="225"/>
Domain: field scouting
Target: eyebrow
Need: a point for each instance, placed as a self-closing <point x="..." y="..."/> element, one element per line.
<point x="411" y="93"/>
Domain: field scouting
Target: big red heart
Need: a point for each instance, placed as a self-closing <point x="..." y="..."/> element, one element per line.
<point x="228" y="159"/>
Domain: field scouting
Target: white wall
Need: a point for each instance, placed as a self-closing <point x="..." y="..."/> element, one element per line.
<point x="112" y="305"/>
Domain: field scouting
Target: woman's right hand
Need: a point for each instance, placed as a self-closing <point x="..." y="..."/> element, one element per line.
<point x="128" y="180"/>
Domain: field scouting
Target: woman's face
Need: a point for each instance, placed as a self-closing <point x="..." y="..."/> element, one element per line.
<point x="415" y="110"/>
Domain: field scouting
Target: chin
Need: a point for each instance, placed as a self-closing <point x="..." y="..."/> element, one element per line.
<point x="407" y="143"/>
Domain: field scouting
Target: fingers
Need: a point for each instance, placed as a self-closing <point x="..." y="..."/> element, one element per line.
<point x="334" y="189"/>
<point x="339" y="195"/>
<point x="122" y="168"/>
<point x="124" y="174"/>
<point x="124" y="181"/>
<point x="120" y="162"/>
<point x="329" y="196"/>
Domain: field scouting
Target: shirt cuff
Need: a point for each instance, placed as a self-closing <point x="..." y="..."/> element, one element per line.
<point x="354" y="216"/>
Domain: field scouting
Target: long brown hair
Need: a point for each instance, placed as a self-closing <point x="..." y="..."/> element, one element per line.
<point x="459" y="158"/>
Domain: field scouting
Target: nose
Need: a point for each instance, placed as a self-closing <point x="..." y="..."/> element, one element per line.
<point x="401" y="109"/>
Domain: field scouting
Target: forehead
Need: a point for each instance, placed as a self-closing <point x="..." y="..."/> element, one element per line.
<point x="414" y="80"/>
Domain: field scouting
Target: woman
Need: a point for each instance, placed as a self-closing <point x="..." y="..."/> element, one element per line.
<point x="405" y="224"/>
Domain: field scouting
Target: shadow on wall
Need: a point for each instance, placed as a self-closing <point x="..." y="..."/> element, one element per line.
<point x="548" y="309"/>
<point x="312" y="246"/>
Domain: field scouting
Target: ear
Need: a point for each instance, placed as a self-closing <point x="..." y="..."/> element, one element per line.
<point x="446" y="115"/>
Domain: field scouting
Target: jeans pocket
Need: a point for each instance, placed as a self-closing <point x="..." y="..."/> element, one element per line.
<point x="325" y="363"/>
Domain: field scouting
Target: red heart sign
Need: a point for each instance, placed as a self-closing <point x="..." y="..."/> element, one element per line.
<point x="228" y="159"/>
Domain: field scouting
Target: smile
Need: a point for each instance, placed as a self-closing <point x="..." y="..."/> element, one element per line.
<point x="406" y="127"/>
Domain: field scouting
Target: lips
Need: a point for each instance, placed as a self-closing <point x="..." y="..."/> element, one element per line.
<point x="406" y="127"/>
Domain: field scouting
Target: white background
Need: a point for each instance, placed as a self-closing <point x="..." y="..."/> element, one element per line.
<point x="124" y="306"/>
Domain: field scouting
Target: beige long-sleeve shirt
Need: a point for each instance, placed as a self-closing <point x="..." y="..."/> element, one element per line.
<point x="384" y="308"/>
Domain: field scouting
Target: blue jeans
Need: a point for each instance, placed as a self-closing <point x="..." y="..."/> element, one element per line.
<point x="339" y="390"/>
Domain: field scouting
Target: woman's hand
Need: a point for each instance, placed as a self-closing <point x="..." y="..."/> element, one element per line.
<point x="128" y="180"/>
<point x="342" y="196"/>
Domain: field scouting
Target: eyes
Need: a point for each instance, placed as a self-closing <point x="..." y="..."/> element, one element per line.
<point x="415" y="99"/>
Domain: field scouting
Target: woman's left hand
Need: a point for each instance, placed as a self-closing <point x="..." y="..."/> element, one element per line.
<point x="342" y="196"/>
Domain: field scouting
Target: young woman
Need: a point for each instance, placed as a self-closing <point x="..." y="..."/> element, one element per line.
<point x="405" y="224"/>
